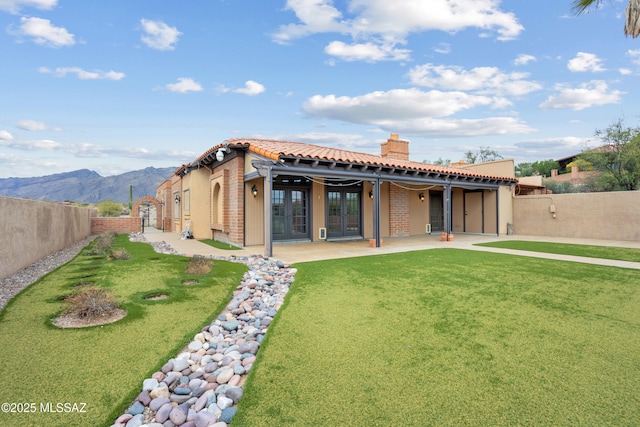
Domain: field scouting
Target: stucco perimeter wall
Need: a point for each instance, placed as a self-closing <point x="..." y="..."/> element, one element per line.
<point x="611" y="216"/>
<point x="31" y="230"/>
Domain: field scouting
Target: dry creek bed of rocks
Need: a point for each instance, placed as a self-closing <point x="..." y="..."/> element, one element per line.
<point x="202" y="385"/>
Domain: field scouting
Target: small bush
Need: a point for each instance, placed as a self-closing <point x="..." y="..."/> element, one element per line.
<point x="119" y="254"/>
<point x="199" y="265"/>
<point x="91" y="302"/>
<point x="102" y="243"/>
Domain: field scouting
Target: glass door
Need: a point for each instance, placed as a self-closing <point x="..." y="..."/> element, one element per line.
<point x="343" y="213"/>
<point x="290" y="214"/>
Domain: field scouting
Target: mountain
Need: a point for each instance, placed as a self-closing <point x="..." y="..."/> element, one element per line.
<point x="86" y="186"/>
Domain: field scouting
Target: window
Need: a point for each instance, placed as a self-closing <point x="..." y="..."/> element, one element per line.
<point x="186" y="204"/>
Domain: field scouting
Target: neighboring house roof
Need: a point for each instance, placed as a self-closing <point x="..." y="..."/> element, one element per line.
<point x="286" y="150"/>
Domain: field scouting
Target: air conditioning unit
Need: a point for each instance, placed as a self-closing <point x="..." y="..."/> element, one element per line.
<point x="428" y="229"/>
<point x="322" y="232"/>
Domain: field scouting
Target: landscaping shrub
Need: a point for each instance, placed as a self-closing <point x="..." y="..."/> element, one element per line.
<point x="91" y="302"/>
<point x="199" y="265"/>
<point x="119" y="254"/>
<point x="102" y="243"/>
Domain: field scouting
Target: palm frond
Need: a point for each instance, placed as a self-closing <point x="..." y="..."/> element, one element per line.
<point x="581" y="6"/>
<point x="632" y="19"/>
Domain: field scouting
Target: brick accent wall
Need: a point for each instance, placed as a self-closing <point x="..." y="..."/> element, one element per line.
<point x="398" y="211"/>
<point x="121" y="225"/>
<point x="135" y="210"/>
<point x="233" y="207"/>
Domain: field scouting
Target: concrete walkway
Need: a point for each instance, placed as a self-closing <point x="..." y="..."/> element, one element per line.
<point x="303" y="252"/>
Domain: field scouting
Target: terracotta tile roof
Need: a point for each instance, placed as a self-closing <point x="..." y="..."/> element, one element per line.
<point x="274" y="149"/>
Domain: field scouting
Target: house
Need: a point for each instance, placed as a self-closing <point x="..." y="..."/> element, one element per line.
<point x="256" y="192"/>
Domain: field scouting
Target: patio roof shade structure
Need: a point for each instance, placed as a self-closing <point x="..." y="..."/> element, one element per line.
<point x="298" y="158"/>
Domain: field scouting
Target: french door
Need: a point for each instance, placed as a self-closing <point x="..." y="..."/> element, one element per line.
<point x="344" y="213"/>
<point x="436" y="211"/>
<point x="290" y="214"/>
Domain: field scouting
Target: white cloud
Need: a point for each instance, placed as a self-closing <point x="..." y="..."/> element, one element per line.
<point x="590" y="94"/>
<point x="32" y="125"/>
<point x="387" y="24"/>
<point x="159" y="35"/>
<point x="40" y="144"/>
<point x="625" y="71"/>
<point x="44" y="33"/>
<point x="6" y="136"/>
<point x="585" y="62"/>
<point x="549" y="148"/>
<point x="369" y="52"/>
<point x="14" y="6"/>
<point x="250" y="88"/>
<point x="484" y="80"/>
<point x="524" y="59"/>
<point x="417" y="112"/>
<point x="316" y="16"/>
<point x="184" y="85"/>
<point x="83" y="74"/>
<point x="634" y="55"/>
<point x="88" y="150"/>
<point x="442" y="48"/>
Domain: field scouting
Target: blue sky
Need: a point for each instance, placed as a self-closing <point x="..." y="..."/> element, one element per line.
<point x="119" y="85"/>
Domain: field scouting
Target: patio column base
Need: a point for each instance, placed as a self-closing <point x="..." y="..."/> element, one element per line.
<point x="372" y="243"/>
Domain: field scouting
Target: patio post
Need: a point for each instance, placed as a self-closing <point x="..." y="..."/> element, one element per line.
<point x="376" y="211"/>
<point x="498" y="211"/>
<point x="447" y="208"/>
<point x="268" y="244"/>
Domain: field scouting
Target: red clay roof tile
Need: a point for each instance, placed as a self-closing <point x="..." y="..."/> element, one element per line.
<point x="274" y="149"/>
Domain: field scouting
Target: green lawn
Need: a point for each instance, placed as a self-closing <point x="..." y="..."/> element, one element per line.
<point x="220" y="245"/>
<point x="449" y="337"/>
<point x="103" y="366"/>
<point x="605" y="252"/>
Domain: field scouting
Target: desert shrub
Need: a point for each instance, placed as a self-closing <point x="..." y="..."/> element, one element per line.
<point x="119" y="254"/>
<point x="199" y="265"/>
<point x="90" y="302"/>
<point x="102" y="243"/>
<point x="109" y="208"/>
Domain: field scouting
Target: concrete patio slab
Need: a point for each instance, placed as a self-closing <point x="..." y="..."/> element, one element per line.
<point x="316" y="251"/>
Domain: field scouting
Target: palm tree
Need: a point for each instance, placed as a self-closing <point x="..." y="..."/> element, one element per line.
<point x="631" y="14"/>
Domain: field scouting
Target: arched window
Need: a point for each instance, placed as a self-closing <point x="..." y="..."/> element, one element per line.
<point x="216" y="204"/>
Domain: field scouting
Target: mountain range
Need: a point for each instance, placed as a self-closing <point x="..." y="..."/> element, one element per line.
<point x="86" y="186"/>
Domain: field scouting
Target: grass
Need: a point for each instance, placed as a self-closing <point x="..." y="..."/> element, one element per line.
<point x="449" y="337"/>
<point x="591" y="251"/>
<point x="220" y="245"/>
<point x="103" y="366"/>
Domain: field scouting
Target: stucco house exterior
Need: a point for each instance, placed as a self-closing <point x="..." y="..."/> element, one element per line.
<point x="256" y="192"/>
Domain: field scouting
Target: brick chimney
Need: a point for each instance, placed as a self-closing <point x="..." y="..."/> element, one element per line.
<point x="395" y="148"/>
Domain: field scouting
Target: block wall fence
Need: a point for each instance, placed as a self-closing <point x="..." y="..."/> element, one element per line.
<point x="608" y="216"/>
<point x="30" y="230"/>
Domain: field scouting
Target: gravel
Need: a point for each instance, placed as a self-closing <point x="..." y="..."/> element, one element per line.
<point x="12" y="285"/>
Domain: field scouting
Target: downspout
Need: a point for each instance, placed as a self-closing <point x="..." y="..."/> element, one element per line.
<point x="268" y="243"/>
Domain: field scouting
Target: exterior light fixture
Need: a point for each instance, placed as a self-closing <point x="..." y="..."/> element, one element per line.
<point x="221" y="152"/>
<point x="177" y="198"/>
<point x="254" y="190"/>
<point x="371" y="195"/>
<point x="421" y="197"/>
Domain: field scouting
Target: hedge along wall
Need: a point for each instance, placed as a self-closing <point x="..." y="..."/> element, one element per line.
<point x="609" y="216"/>
<point x="31" y="230"/>
<point x="121" y="225"/>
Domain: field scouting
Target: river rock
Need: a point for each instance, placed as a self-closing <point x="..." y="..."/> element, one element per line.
<point x="227" y="415"/>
